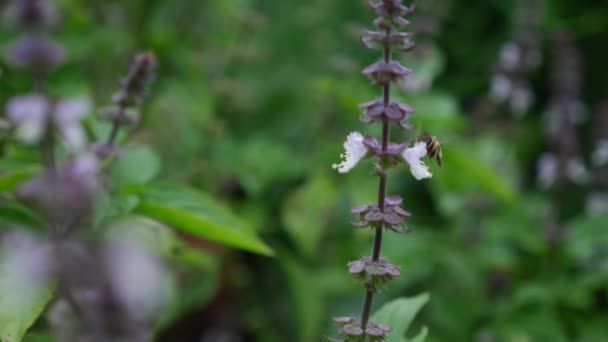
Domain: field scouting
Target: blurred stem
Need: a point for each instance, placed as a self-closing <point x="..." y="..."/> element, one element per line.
<point x="113" y="133"/>
<point x="115" y="126"/>
<point x="47" y="151"/>
<point x="47" y="144"/>
<point x="377" y="247"/>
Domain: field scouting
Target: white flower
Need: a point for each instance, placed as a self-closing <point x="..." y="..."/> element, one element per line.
<point x="355" y="150"/>
<point x="412" y="156"/>
<point x="577" y="171"/>
<point x="548" y="169"/>
<point x="600" y="154"/>
<point x="68" y="114"/>
<point x="501" y="87"/>
<point x="29" y="114"/>
<point x="597" y="203"/>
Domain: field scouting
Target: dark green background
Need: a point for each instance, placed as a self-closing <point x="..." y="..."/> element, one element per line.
<point x="252" y="102"/>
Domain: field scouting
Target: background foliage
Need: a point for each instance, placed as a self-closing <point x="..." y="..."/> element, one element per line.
<point x="251" y="106"/>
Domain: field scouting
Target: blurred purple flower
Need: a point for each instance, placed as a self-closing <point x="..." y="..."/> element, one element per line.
<point x="68" y="114"/>
<point x="31" y="13"/>
<point x="548" y="169"/>
<point x="137" y="279"/>
<point x="31" y="114"/>
<point x="35" y="52"/>
<point x="600" y="153"/>
<point x="64" y="197"/>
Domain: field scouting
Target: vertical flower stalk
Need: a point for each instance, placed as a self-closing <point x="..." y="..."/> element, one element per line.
<point x="519" y="58"/>
<point x="563" y="116"/>
<point x="123" y="113"/>
<point x="386" y="212"/>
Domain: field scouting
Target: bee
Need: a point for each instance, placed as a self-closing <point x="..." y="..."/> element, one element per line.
<point x="433" y="146"/>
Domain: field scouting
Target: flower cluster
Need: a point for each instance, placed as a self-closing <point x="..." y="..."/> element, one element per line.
<point x="33" y="114"/>
<point x="391" y="218"/>
<point x="386" y="213"/>
<point x="32" y="49"/>
<point x="358" y="147"/>
<point x="107" y="291"/>
<point x="565" y="112"/>
<point x="351" y="329"/>
<point x="518" y="59"/>
<point x="373" y="273"/>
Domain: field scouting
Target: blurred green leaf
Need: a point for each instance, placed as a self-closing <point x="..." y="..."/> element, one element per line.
<point x="21" y="302"/>
<point x="399" y="314"/>
<point x="157" y="238"/>
<point x="463" y="165"/>
<point x="259" y="162"/>
<point x="13" y="213"/>
<point x="136" y="165"/>
<point x="10" y="180"/>
<point x="421" y="335"/>
<point x="306" y="299"/>
<point x="587" y="241"/>
<point x="199" y="214"/>
<point x="108" y="206"/>
<point x="38" y="337"/>
<point x="306" y="212"/>
<point x="426" y="65"/>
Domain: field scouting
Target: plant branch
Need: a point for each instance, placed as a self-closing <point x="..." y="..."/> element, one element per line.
<point x="377" y="246"/>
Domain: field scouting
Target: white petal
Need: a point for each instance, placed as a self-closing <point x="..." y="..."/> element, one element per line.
<point x="412" y="156"/>
<point x="30" y="131"/>
<point x="70" y="110"/>
<point x="597" y="203"/>
<point x="68" y="114"/>
<point x="548" y="168"/>
<point x="600" y="154"/>
<point x="577" y="171"/>
<point x="29" y="114"/>
<point x="74" y="135"/>
<point x="501" y="87"/>
<point x="354" y="152"/>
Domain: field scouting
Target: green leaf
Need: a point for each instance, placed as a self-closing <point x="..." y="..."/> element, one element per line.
<point x="587" y="241"/>
<point x="197" y="213"/>
<point x="421" y="335"/>
<point x="157" y="238"/>
<point x="244" y="158"/>
<point x="136" y="165"/>
<point x="307" y="211"/>
<point x="21" y="302"/>
<point x="38" y="337"/>
<point x="10" y="180"/>
<point x="305" y="298"/>
<point x="476" y="172"/>
<point x="12" y="213"/>
<point x="399" y="314"/>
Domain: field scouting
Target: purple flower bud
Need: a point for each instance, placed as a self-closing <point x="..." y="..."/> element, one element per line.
<point x="134" y="85"/>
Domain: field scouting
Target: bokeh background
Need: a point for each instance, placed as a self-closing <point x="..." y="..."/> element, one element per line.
<point x="253" y="100"/>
